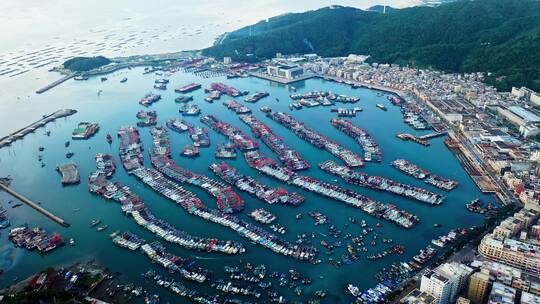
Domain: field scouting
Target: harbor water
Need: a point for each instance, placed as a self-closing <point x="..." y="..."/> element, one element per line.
<point x="113" y="105"/>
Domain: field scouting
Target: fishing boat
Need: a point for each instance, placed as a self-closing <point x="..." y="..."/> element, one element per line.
<point x="101" y="228"/>
<point x="381" y="106"/>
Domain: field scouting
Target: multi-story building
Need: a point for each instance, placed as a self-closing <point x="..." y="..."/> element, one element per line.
<point x="521" y="255"/>
<point x="445" y="281"/>
<point x="508" y="276"/>
<point x="501" y="294"/>
<point x="418" y="297"/>
<point x="479" y="286"/>
<point x="462" y="300"/>
<point x="529" y="298"/>
<point x="285" y="71"/>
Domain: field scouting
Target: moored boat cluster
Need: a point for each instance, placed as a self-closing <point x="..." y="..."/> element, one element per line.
<point x="253" y="187"/>
<point x="320" y="141"/>
<point x="415" y="171"/>
<point x="382" y="183"/>
<point x="372" y="150"/>
<point x="380" y="210"/>
<point x="228" y="201"/>
<point x="290" y="157"/>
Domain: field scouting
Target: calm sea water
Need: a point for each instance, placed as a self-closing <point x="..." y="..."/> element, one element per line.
<point x="116" y="107"/>
<point x="118" y="28"/>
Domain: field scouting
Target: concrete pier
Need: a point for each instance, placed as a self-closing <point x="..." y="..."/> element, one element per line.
<point x="19" y="134"/>
<point x="54" y="84"/>
<point x="34" y="205"/>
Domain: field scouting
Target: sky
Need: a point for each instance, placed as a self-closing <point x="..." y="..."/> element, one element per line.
<point x="37" y="21"/>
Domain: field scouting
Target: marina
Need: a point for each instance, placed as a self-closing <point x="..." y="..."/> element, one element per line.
<point x="133" y="206"/>
<point x="194" y="206"/>
<point x="120" y="104"/>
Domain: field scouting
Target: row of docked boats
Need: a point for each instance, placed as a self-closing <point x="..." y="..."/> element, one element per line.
<point x="228" y="201"/>
<point x="133" y="206"/>
<point x="173" y="263"/>
<point x="417" y="172"/>
<point x="179" y="289"/>
<point x="378" y="209"/>
<point x="235" y="135"/>
<point x="35" y="238"/>
<point x="315" y="138"/>
<point x="255" y="188"/>
<point x="288" y="156"/>
<point x="237" y="107"/>
<point x="372" y="150"/>
<point x="194" y="206"/>
<point x="382" y="183"/>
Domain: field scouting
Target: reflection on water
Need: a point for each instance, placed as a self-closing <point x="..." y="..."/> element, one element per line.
<point x="9" y="257"/>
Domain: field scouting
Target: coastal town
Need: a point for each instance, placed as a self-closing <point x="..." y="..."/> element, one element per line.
<point x="494" y="135"/>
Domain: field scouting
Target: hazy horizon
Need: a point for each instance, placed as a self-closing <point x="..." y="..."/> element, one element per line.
<point x="31" y="23"/>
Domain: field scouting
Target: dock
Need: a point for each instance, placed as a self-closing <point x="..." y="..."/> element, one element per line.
<point x="475" y="171"/>
<point x="34" y="205"/>
<point x="432" y="135"/>
<point x="55" y="83"/>
<point x="70" y="173"/>
<point x="282" y="80"/>
<point x="416" y="139"/>
<point x="19" y="134"/>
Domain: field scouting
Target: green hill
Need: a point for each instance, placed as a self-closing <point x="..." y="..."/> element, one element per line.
<point x="497" y="36"/>
<point x="82" y="64"/>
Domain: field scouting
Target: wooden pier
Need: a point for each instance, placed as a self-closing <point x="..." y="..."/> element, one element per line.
<point x="34" y="205"/>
